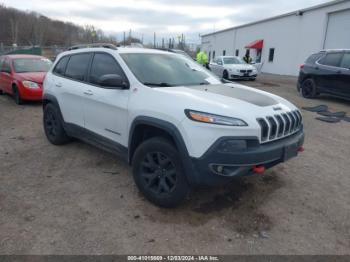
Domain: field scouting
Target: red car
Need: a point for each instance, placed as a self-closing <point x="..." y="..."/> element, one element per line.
<point x="22" y="76"/>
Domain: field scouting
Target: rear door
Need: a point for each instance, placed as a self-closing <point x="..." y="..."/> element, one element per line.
<point x="71" y="87"/>
<point x="106" y="108"/>
<point x="344" y="87"/>
<point x="330" y="72"/>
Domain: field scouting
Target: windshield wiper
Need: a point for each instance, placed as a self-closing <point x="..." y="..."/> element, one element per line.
<point x="163" y="84"/>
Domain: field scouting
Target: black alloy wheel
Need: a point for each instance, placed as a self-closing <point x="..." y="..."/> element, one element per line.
<point x="308" y="88"/>
<point x="158" y="173"/>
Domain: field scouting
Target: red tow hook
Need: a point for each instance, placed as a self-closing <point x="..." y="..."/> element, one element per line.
<point x="258" y="169"/>
<point x="301" y="149"/>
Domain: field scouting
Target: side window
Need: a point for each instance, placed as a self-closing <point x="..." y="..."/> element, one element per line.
<point x="77" y="66"/>
<point x="5" y="67"/>
<point x="219" y="61"/>
<point x="332" y="59"/>
<point x="104" y="64"/>
<point x="345" y="63"/>
<point x="271" y="54"/>
<point x="60" y="68"/>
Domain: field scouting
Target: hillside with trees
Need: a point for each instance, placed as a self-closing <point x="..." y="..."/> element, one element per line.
<point x="33" y="29"/>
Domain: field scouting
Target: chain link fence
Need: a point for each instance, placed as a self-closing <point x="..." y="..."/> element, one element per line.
<point x="48" y="51"/>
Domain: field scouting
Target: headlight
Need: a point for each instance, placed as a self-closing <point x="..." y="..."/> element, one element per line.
<point x="214" y="119"/>
<point x="30" y="84"/>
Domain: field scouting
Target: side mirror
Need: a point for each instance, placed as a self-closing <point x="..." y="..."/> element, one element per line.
<point x="113" y="81"/>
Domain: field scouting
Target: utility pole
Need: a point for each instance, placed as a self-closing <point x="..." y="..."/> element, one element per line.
<point x="154" y="40"/>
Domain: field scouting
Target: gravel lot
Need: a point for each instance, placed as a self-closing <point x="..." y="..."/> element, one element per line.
<point x="77" y="199"/>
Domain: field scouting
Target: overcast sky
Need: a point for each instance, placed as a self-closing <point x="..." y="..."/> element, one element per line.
<point x="166" y="17"/>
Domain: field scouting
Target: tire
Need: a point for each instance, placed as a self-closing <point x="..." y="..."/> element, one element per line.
<point x="225" y="75"/>
<point x="53" y="126"/>
<point x="17" y="96"/>
<point x="159" y="174"/>
<point x="308" y="88"/>
<point x="1" y="92"/>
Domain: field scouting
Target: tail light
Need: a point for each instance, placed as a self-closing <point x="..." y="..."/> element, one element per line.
<point x="302" y="66"/>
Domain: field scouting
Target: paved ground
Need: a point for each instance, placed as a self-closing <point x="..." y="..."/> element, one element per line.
<point x="76" y="199"/>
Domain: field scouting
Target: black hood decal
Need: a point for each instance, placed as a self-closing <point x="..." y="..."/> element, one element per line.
<point x="237" y="92"/>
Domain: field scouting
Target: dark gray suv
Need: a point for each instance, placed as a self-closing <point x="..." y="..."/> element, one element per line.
<point x="326" y="72"/>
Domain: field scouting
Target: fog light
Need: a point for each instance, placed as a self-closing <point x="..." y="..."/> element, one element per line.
<point x="220" y="169"/>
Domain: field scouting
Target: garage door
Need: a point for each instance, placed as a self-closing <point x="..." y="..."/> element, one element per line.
<point x="338" y="30"/>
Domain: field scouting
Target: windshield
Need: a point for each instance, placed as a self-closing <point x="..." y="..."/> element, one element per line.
<point x="23" y="65"/>
<point x="233" y="61"/>
<point x="162" y="70"/>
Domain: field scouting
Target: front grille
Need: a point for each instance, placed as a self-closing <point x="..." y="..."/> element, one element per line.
<point x="246" y="71"/>
<point x="279" y="125"/>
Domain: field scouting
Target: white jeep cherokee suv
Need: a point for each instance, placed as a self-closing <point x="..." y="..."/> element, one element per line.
<point x="176" y="123"/>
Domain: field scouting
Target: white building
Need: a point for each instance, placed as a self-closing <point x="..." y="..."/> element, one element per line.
<point x="284" y="42"/>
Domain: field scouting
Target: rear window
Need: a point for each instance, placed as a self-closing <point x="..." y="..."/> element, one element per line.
<point x="313" y="58"/>
<point x="332" y="59"/>
<point x="77" y="66"/>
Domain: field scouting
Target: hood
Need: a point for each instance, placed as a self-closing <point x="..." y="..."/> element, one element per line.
<point x="228" y="99"/>
<point x="240" y="66"/>
<point x="37" y="77"/>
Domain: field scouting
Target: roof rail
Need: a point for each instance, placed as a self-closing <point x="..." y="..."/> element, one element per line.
<point x="102" y="45"/>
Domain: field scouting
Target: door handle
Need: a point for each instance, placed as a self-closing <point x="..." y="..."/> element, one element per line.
<point x="316" y="67"/>
<point x="338" y="72"/>
<point x="58" y="85"/>
<point x="88" y="93"/>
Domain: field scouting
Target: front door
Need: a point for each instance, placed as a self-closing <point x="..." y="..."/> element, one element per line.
<point x="106" y="109"/>
<point x="344" y="87"/>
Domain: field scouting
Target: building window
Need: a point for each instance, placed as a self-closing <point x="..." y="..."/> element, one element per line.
<point x="224" y="52"/>
<point x="213" y="54"/>
<point x="237" y="52"/>
<point x="271" y="54"/>
<point x="209" y="55"/>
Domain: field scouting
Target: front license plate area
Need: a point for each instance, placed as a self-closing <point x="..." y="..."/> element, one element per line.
<point x="290" y="151"/>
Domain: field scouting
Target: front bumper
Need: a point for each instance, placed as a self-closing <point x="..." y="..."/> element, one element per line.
<point x="31" y="94"/>
<point x="243" y="76"/>
<point x="231" y="157"/>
